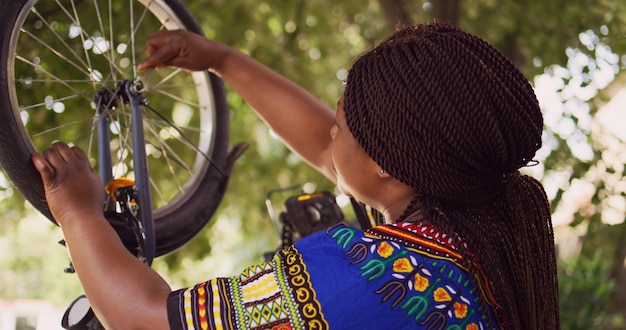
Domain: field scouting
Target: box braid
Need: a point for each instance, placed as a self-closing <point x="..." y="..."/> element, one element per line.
<point x="446" y="113"/>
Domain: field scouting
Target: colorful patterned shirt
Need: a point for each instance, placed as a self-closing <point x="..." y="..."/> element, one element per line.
<point x="404" y="276"/>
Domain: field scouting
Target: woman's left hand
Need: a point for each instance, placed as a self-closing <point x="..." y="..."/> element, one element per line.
<point x="73" y="188"/>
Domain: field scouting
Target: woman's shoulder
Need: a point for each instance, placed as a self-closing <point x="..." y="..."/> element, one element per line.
<point x="415" y="269"/>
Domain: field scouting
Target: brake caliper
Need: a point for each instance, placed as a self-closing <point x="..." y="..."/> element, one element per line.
<point x="122" y="191"/>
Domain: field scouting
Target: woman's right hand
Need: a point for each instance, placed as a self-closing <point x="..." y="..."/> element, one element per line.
<point x="183" y="49"/>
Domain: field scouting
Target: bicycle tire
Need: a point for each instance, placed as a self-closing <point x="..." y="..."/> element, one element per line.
<point x="34" y="62"/>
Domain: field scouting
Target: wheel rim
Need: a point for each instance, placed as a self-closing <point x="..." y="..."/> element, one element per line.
<point x="63" y="52"/>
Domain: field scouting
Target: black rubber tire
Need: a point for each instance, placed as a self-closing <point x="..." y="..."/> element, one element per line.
<point x="174" y="226"/>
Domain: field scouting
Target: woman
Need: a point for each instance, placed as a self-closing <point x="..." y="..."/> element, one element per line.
<point x="431" y="131"/>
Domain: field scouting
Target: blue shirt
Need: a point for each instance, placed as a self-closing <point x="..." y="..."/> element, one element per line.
<point x="401" y="276"/>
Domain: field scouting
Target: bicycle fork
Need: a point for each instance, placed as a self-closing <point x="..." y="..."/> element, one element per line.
<point x="129" y="92"/>
<point x="127" y="199"/>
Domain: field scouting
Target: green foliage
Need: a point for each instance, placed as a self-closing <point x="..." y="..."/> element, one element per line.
<point x="585" y="294"/>
<point x="314" y="43"/>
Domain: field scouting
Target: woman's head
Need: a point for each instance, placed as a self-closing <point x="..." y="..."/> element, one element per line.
<point x="443" y="112"/>
<point x="447" y="114"/>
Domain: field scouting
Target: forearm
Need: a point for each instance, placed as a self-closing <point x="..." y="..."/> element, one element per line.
<point x="300" y="119"/>
<point x="120" y="288"/>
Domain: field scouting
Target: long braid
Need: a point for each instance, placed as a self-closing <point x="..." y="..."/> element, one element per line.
<point x="447" y="114"/>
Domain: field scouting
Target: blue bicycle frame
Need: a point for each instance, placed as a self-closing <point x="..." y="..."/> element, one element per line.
<point x="132" y="92"/>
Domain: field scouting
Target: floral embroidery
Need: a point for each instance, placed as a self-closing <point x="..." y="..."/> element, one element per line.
<point x="417" y="270"/>
<point x="442" y="295"/>
<point x="460" y="310"/>
<point x="421" y="283"/>
<point x="385" y="250"/>
<point x="402" y="265"/>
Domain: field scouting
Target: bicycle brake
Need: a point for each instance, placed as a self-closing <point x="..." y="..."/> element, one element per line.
<point x="124" y="218"/>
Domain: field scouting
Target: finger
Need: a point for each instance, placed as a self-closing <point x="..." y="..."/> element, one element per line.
<point x="53" y="156"/>
<point x="156" y="40"/>
<point x="159" y="58"/>
<point x="64" y="151"/>
<point x="43" y="167"/>
<point x="82" y="157"/>
<point x="147" y="63"/>
<point x="151" y="46"/>
<point x="56" y="159"/>
<point x="79" y="153"/>
<point x="163" y="47"/>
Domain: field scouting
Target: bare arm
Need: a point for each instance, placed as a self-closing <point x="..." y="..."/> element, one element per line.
<point x="300" y="119"/>
<point x="124" y="292"/>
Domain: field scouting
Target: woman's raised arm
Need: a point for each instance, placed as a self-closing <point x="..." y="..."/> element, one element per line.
<point x="300" y="119"/>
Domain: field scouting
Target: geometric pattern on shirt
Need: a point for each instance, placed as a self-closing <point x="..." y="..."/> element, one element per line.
<point x="295" y="279"/>
<point x="274" y="295"/>
<point x="424" y="276"/>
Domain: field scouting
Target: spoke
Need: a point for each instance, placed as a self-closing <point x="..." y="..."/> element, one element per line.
<point x="113" y="72"/>
<point x="121" y="125"/>
<point x="132" y="37"/>
<point x="154" y="129"/>
<point x="141" y="18"/>
<point x="84" y="34"/>
<point x="82" y="38"/>
<point x="24" y="80"/>
<point x="166" y="78"/>
<point x="55" y="52"/>
<point x="91" y="131"/>
<point x="78" y="57"/>
<point x="167" y="123"/>
<point x="111" y="44"/>
<point x="164" y="122"/>
<point x="155" y="189"/>
<point x="53" y="77"/>
<point x="185" y="138"/>
<point x="178" y="98"/>
<point x="57" y="128"/>
<point x="37" y="105"/>
<point x="165" y="148"/>
<point x="177" y="86"/>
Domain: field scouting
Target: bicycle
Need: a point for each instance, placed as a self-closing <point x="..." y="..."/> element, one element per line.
<point x="69" y="67"/>
<point x="68" y="73"/>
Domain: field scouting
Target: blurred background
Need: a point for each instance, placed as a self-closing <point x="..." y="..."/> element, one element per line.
<point x="574" y="53"/>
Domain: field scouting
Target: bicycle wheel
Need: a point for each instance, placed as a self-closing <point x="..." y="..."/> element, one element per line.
<point x="57" y="55"/>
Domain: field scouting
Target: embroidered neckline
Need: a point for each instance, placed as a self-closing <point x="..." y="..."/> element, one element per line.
<point x="431" y="241"/>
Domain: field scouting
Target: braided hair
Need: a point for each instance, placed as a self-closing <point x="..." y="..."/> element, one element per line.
<point x="447" y="114"/>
